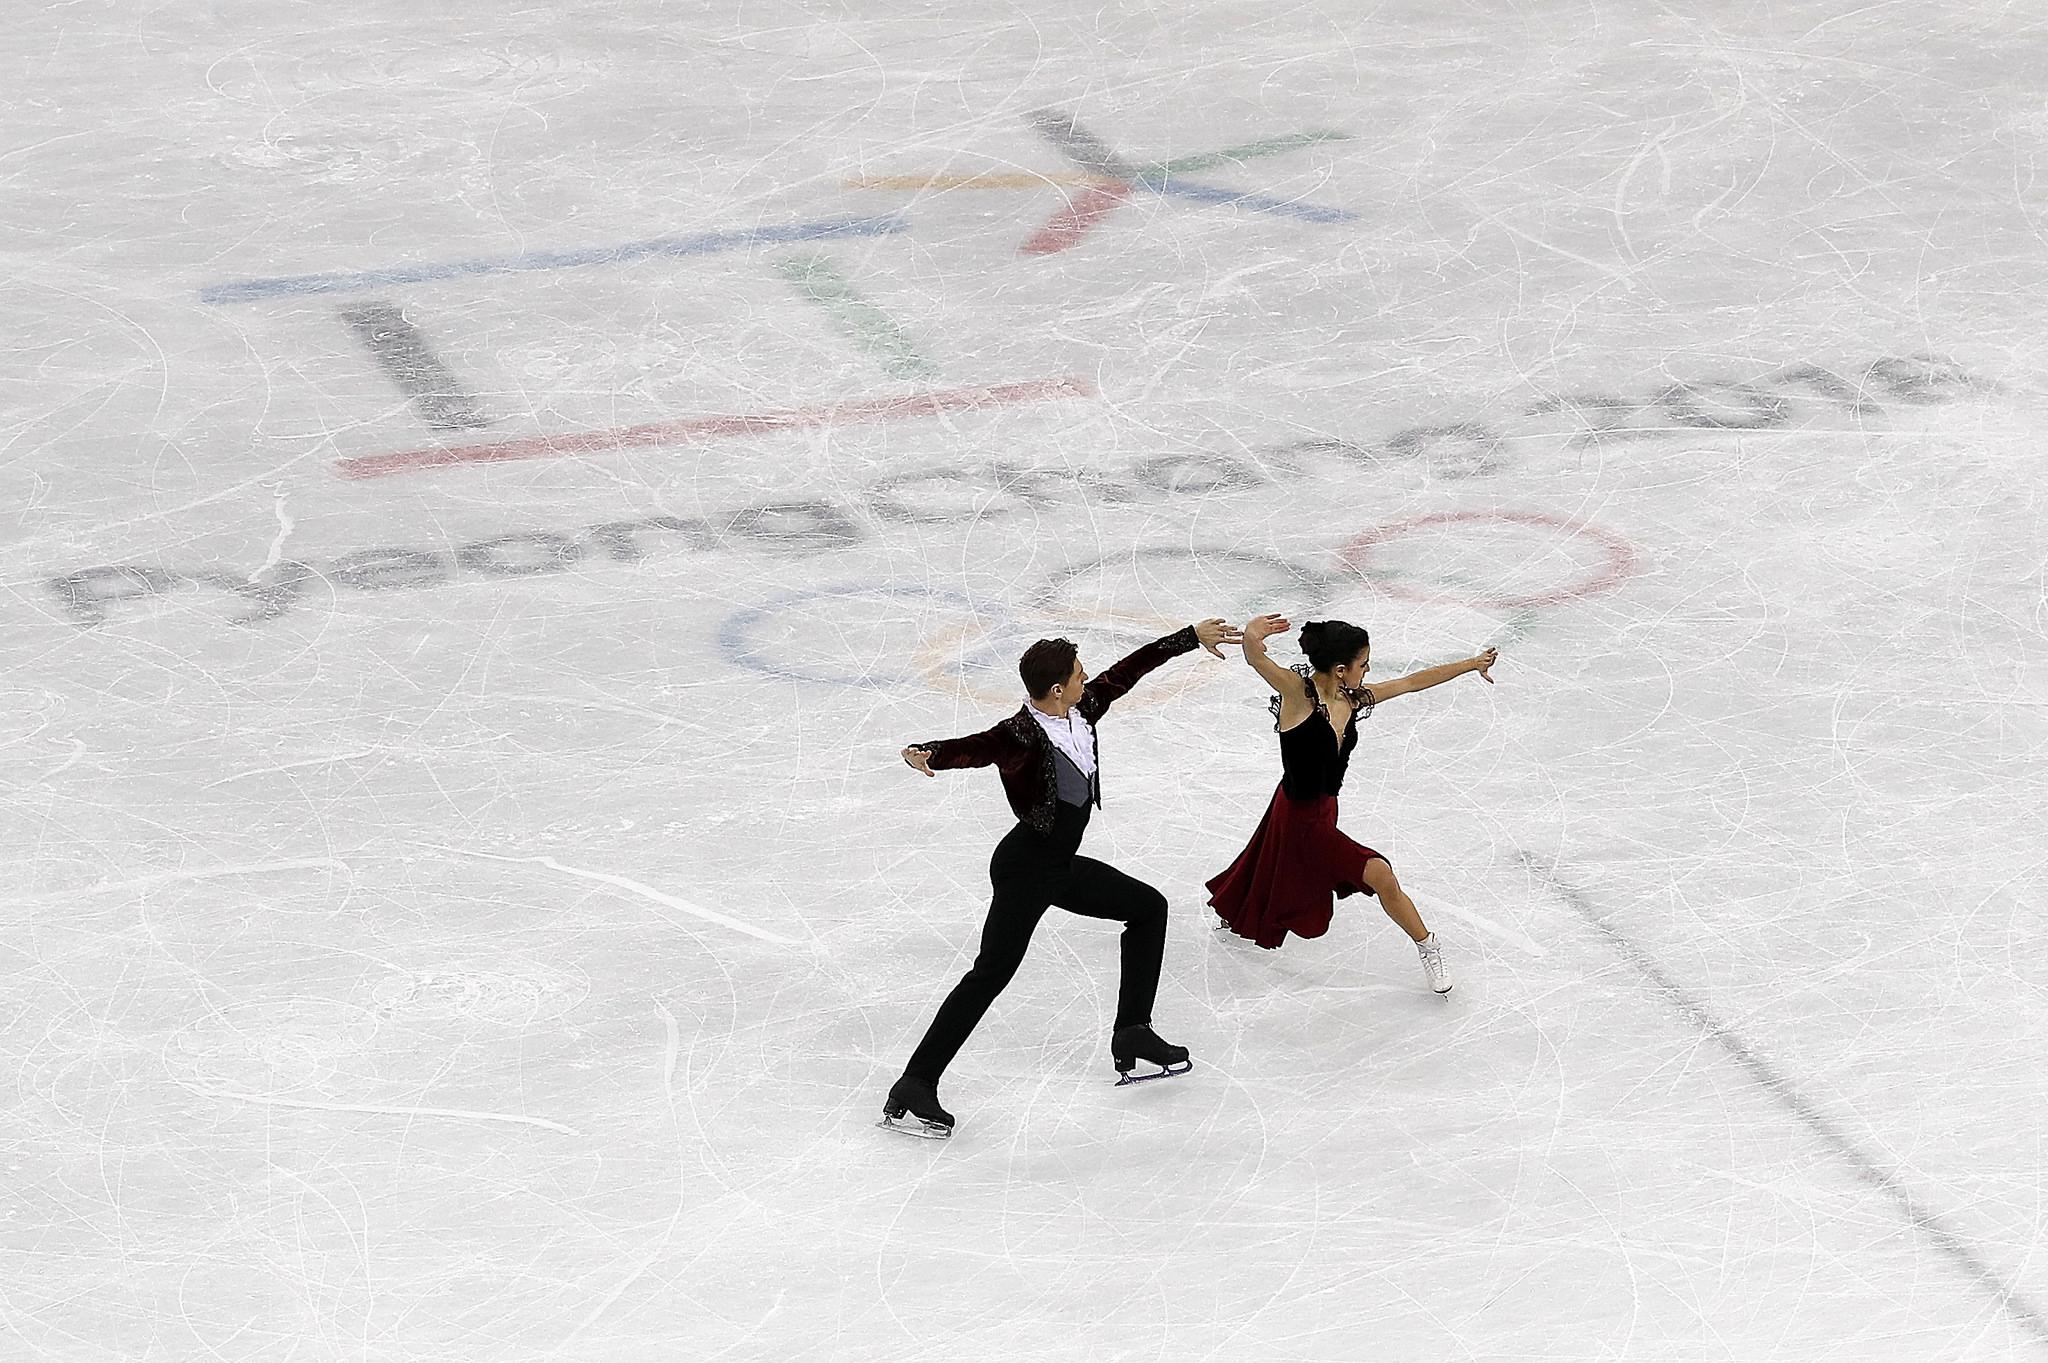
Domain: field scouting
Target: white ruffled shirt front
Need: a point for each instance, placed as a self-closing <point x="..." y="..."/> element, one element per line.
<point x="1072" y="735"/>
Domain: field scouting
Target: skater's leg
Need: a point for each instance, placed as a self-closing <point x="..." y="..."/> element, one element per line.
<point x="1013" y="914"/>
<point x="1095" y="889"/>
<point x="1379" y="878"/>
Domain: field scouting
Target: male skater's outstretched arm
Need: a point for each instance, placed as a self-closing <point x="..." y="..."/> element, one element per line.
<point x="998" y="747"/>
<point x="1048" y="758"/>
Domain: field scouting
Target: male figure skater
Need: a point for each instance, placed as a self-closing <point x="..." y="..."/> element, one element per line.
<point x="1047" y="755"/>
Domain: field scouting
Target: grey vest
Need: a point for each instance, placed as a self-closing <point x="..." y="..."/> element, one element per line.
<point x="1074" y="788"/>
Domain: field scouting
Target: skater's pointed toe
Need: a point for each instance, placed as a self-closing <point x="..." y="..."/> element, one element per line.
<point x="1433" y="968"/>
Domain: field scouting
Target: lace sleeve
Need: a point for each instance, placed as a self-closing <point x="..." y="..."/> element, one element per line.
<point x="1362" y="701"/>
<point x="1308" y="685"/>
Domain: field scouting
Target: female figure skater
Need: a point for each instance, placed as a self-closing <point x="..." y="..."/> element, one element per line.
<point x="1284" y="879"/>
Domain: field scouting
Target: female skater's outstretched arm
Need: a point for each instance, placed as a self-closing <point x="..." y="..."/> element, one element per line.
<point x="1436" y="676"/>
<point x="1256" y="631"/>
<point x="1294" y="705"/>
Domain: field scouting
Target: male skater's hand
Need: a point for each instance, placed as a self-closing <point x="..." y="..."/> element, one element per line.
<point x="1483" y="664"/>
<point x="1213" y="632"/>
<point x="917" y="757"/>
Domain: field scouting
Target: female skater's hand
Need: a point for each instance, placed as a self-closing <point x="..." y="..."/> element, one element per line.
<point x="916" y="757"/>
<point x="1483" y="664"/>
<point x="1213" y="632"/>
<point x="1262" y="627"/>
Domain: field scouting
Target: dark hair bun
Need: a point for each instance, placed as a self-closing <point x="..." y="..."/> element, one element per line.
<point x="1332" y="643"/>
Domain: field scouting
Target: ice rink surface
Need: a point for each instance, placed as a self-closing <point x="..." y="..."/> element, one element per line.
<point x="490" y="496"/>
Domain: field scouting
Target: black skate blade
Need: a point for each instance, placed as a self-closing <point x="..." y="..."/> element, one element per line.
<point x="1167" y="1072"/>
<point x="915" y="1126"/>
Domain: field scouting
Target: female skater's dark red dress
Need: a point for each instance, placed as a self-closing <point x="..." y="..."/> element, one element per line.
<point x="1285" y="878"/>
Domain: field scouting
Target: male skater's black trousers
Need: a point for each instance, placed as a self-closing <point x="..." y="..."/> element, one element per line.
<point x="1031" y="871"/>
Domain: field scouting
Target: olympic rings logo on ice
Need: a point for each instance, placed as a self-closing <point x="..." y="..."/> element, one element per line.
<point x="1431" y="584"/>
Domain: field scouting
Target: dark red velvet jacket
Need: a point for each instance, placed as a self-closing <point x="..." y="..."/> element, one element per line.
<point x="1019" y="749"/>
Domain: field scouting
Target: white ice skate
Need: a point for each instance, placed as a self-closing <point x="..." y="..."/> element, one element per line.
<point x="1433" y="966"/>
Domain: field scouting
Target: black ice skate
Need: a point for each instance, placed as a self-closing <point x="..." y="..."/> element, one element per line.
<point x="913" y="1108"/>
<point x="1132" y="1044"/>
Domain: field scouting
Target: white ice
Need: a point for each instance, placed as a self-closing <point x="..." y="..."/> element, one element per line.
<point x="499" y="951"/>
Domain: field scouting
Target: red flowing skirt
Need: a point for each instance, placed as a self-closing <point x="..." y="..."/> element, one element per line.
<point x="1288" y="876"/>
